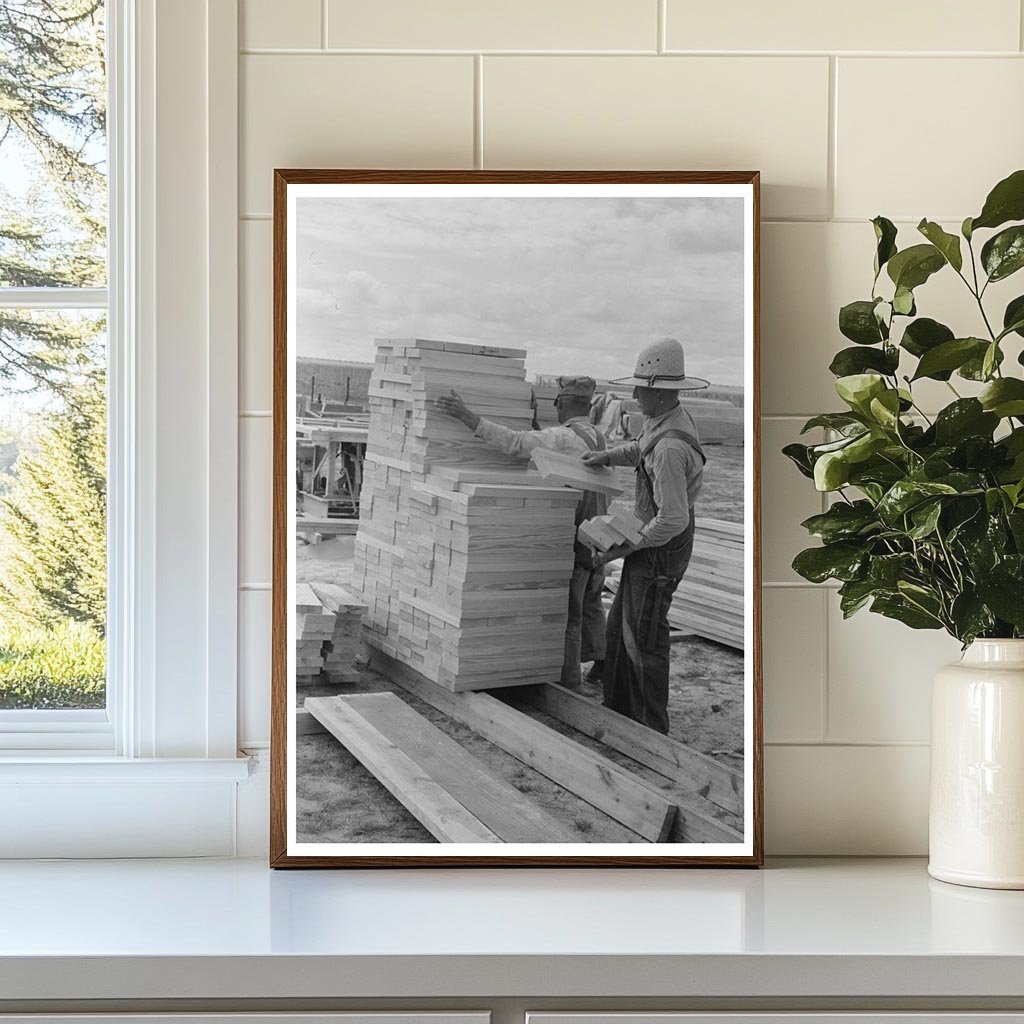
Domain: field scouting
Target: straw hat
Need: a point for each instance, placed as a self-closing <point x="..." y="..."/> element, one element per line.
<point x="663" y="365"/>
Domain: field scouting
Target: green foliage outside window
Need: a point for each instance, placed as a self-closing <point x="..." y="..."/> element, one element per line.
<point x="52" y="365"/>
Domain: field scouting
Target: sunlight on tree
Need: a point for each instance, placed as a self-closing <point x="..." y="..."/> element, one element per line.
<point x="52" y="366"/>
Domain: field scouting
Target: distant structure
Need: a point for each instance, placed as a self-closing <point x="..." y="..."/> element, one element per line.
<point x="339" y="382"/>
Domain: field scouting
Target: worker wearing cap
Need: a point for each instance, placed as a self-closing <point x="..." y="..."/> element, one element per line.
<point x="669" y="464"/>
<point x="576" y="435"/>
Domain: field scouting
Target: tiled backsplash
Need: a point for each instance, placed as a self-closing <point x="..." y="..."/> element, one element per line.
<point x="908" y="110"/>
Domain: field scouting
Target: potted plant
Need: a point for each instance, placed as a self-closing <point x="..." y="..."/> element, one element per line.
<point x="927" y="521"/>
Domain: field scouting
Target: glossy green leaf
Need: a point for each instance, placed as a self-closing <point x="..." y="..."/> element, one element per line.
<point x="924" y="519"/>
<point x="849" y="361"/>
<point x="947" y="244"/>
<point x="885" y="239"/>
<point x="1005" y="597"/>
<point x="1003" y="254"/>
<point x="840" y="421"/>
<point x="800" y="456"/>
<point x="990" y="360"/>
<point x="966" y="229"/>
<point x="843" y="521"/>
<point x="1004" y="397"/>
<point x="1013" y="317"/>
<point x="857" y="321"/>
<point x="971" y="616"/>
<point x="885" y="409"/>
<point x="974" y="368"/>
<point x="948" y="356"/>
<point x="831" y="471"/>
<point x="907" y="494"/>
<point x="903" y="302"/>
<point x="911" y="267"/>
<point x="858" y="389"/>
<point x="964" y="418"/>
<point x="840" y="561"/>
<point x="1005" y="202"/>
<point x="899" y="608"/>
<point x="923" y="335"/>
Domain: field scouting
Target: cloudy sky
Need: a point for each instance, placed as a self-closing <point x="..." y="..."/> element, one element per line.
<point x="580" y="283"/>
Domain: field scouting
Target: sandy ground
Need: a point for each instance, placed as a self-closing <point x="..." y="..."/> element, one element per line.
<point x="340" y="801"/>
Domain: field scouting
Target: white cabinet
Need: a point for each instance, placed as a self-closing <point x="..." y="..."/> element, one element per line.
<point x="785" y="1017"/>
<point x="367" y="1017"/>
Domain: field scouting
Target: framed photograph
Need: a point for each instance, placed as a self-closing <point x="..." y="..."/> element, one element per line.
<point x="516" y="565"/>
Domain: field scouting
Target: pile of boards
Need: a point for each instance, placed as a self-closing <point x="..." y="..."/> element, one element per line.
<point x="661" y="791"/>
<point x="709" y="601"/>
<point x="328" y="622"/>
<point x="463" y="556"/>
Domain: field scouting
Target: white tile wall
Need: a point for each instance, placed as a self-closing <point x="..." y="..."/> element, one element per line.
<point x="873" y="25"/>
<point x="921" y="121"/>
<point x="701" y="113"/>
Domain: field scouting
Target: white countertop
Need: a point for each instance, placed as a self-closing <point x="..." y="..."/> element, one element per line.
<point x="232" y="929"/>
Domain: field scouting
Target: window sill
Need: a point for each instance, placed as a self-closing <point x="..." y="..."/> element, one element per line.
<point x="80" y="767"/>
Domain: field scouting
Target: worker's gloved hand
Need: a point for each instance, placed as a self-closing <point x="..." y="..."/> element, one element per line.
<point x="453" y="405"/>
<point x="595" y="459"/>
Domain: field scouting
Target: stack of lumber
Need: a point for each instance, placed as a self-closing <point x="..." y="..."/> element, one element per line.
<point x="463" y="557"/>
<point x="544" y="405"/>
<point x="604" y="532"/>
<point x="340" y="651"/>
<point x="313" y="625"/>
<point x="709" y="601"/>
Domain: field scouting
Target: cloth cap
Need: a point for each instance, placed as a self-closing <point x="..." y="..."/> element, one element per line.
<point x="577" y="387"/>
<point x="663" y="365"/>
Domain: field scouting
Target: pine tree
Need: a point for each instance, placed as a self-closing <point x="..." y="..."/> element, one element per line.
<point x="53" y="521"/>
<point x="53" y="118"/>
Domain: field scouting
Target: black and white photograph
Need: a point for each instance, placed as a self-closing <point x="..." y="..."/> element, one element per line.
<point x="516" y="566"/>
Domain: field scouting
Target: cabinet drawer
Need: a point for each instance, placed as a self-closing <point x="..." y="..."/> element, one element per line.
<point x="786" y="1017"/>
<point x="361" y="1017"/>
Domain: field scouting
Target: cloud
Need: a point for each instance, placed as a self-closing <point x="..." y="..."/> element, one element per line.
<point x="580" y="283"/>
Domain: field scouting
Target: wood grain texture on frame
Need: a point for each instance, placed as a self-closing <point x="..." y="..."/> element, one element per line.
<point x="279" y="856"/>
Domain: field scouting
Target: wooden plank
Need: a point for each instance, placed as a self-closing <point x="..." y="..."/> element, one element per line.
<point x="693" y="770"/>
<point x="594" y="778"/>
<point x="513" y="817"/>
<point x="332" y="525"/>
<point x="306" y="724"/>
<point x="569" y="469"/>
<point x="306" y="602"/>
<point x="436" y="809"/>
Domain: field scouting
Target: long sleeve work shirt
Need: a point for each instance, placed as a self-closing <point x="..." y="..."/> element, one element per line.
<point x="676" y="472"/>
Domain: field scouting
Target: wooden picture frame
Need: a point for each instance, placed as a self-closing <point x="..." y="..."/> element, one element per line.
<point x="703" y="797"/>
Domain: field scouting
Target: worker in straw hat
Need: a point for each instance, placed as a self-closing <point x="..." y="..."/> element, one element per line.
<point x="669" y="463"/>
<point x="575" y="434"/>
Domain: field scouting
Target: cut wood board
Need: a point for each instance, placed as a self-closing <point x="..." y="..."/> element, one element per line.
<point x="570" y="470"/>
<point x="306" y="724"/>
<point x="602" y="783"/>
<point x="511" y="815"/>
<point x="698" y="772"/>
<point x="438" y="811"/>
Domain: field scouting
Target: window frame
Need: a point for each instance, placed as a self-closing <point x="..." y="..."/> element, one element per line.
<point x="148" y="119"/>
<point x="79" y="730"/>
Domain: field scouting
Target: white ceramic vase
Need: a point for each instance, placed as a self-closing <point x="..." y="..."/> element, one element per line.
<point x="976" y="816"/>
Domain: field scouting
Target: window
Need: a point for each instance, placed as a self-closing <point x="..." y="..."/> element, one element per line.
<point x="53" y="370"/>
